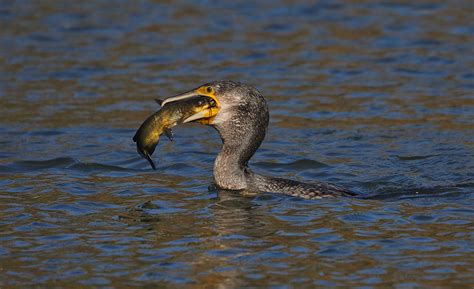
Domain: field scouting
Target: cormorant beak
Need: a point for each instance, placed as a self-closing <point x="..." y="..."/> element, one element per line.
<point x="205" y="116"/>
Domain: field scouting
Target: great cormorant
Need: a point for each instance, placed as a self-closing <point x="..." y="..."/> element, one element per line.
<point x="241" y="119"/>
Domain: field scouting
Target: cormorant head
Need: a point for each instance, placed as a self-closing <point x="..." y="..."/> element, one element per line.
<point x="240" y="110"/>
<point x="240" y="115"/>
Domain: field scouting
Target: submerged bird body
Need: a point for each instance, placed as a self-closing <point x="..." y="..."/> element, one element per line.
<point x="241" y="121"/>
<point x="148" y="135"/>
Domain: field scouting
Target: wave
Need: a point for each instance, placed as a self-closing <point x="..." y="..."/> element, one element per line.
<point x="295" y="165"/>
<point x="58" y="163"/>
<point x="394" y="193"/>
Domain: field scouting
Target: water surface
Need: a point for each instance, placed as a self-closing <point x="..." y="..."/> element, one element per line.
<point x="377" y="97"/>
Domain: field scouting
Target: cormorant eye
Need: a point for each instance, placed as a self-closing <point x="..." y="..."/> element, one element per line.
<point x="212" y="102"/>
<point x="209" y="89"/>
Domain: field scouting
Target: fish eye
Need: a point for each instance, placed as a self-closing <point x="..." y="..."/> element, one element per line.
<point x="209" y="89"/>
<point x="200" y="102"/>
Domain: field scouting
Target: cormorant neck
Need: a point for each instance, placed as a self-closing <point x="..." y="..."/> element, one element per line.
<point x="231" y="166"/>
<point x="241" y="138"/>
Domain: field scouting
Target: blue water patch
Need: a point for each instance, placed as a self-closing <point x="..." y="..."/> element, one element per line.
<point x="375" y="97"/>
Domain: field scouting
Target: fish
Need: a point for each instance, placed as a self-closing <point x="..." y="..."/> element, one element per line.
<point x="170" y="115"/>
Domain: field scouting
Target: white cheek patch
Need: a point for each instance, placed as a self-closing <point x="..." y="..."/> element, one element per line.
<point x="223" y="115"/>
<point x="227" y="109"/>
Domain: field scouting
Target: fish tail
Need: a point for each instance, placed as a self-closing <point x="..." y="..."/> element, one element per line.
<point x="148" y="158"/>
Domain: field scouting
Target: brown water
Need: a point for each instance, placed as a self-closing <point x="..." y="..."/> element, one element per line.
<point x="378" y="97"/>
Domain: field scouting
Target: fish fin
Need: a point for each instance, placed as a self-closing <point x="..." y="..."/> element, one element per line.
<point x="159" y="101"/>
<point x="135" y="137"/>
<point x="148" y="158"/>
<point x="169" y="133"/>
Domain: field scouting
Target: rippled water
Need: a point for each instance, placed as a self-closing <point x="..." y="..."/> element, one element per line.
<point x="377" y="97"/>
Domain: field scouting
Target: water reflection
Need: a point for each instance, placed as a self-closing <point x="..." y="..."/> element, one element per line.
<point x="235" y="213"/>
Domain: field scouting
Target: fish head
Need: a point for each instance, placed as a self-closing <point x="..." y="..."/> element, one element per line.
<point x="205" y="109"/>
